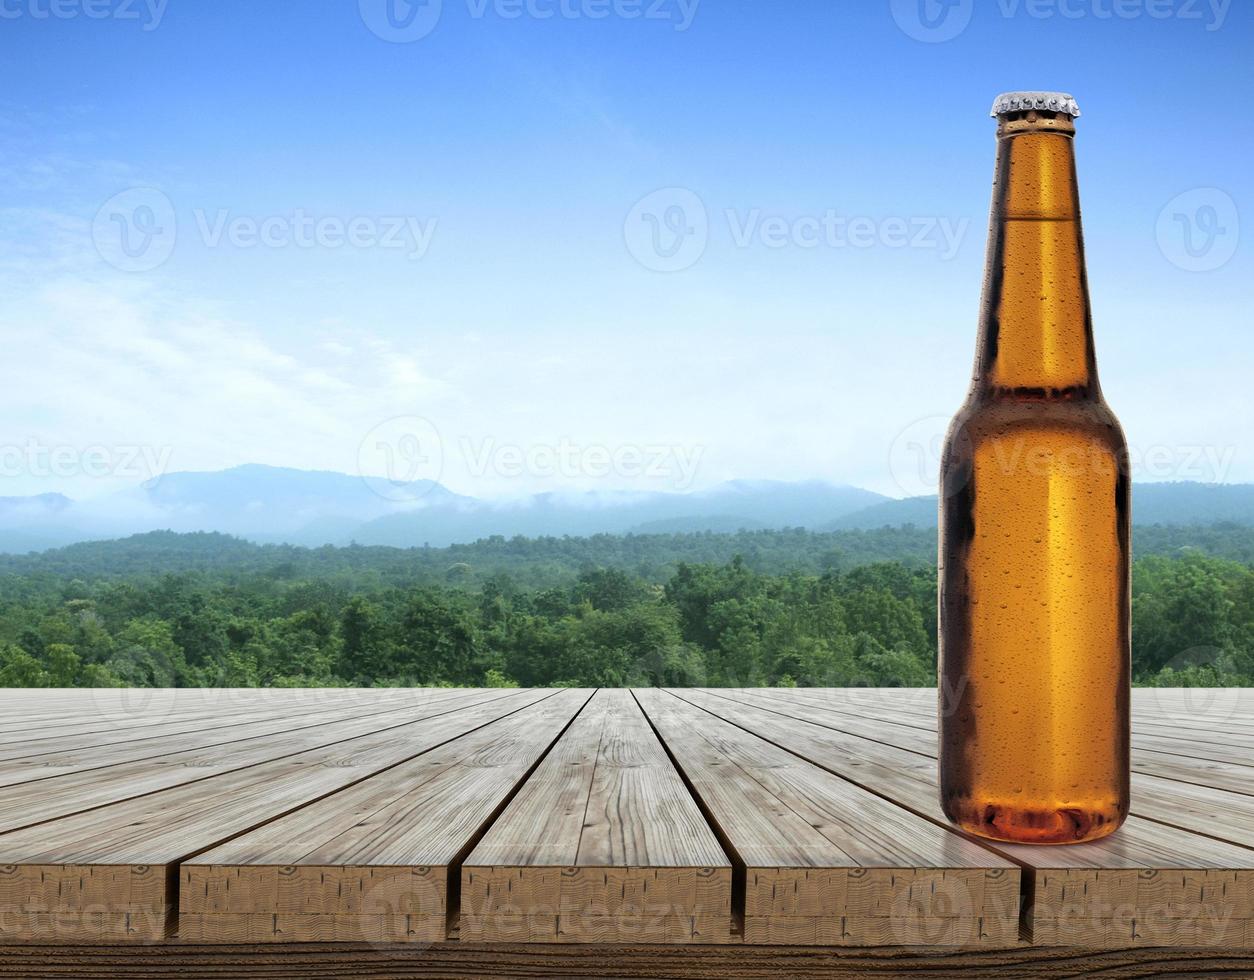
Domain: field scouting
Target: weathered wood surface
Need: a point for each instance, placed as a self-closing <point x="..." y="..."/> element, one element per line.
<point x="1150" y="883"/>
<point x="54" y="753"/>
<point x="370" y="863"/>
<point x="602" y="844"/>
<point x="197" y="710"/>
<point x="825" y="861"/>
<point x="724" y="833"/>
<point x="474" y="961"/>
<point x="95" y="783"/>
<point x="110" y="873"/>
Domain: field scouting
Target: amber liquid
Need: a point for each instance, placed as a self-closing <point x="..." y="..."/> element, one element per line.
<point x="1034" y="557"/>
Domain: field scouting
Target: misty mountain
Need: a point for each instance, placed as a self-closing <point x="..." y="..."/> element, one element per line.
<point x="918" y="511"/>
<point x="275" y="505"/>
<point x="39" y="504"/>
<point x="727" y="507"/>
<point x="278" y="504"/>
<point x="31" y="523"/>
<point x="1152" y="503"/>
<point x="271" y="505"/>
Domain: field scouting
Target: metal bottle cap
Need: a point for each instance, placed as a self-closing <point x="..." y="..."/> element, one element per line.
<point x="1021" y="101"/>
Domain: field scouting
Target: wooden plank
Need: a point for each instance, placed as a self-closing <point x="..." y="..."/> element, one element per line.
<point x="1210" y="798"/>
<point x="475" y="961"/>
<point x="63" y="758"/>
<point x="1160" y="778"/>
<point x="370" y="863"/>
<point x="1195" y="703"/>
<point x="602" y="844"/>
<point x="1148" y="884"/>
<point x="116" y="725"/>
<point x="1171" y="730"/>
<point x="1204" y="811"/>
<point x="825" y="861"/>
<point x="109" y="874"/>
<point x="193" y="710"/>
<point x="80" y="708"/>
<point x="34" y="802"/>
<point x="89" y="734"/>
<point x="1234" y="777"/>
<point x="1160" y="884"/>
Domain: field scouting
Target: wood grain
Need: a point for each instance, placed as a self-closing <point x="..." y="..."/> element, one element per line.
<point x="721" y="833"/>
<point x="111" y="873"/>
<point x="1149" y="883"/>
<point x="59" y="794"/>
<point x="371" y="862"/>
<point x="602" y="844"/>
<point x="827" y="862"/>
<point x="56" y="755"/>
<point x="474" y="961"/>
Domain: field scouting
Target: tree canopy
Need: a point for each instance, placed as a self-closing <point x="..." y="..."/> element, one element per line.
<point x="748" y="609"/>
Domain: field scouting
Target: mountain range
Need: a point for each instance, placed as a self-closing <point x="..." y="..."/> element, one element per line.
<point x="276" y="505"/>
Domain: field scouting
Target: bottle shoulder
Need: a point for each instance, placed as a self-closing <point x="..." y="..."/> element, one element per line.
<point x="983" y="419"/>
<point x="983" y="410"/>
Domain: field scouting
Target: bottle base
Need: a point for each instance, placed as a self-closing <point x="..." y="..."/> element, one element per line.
<point x="1023" y="825"/>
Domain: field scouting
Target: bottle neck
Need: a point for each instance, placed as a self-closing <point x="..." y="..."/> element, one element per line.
<point x="1036" y="335"/>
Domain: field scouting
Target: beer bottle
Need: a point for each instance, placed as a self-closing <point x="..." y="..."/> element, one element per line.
<point x="1034" y="524"/>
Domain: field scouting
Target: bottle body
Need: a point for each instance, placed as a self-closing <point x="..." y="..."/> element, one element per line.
<point x="1034" y="536"/>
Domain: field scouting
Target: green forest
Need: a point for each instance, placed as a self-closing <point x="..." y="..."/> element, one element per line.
<point x="771" y="608"/>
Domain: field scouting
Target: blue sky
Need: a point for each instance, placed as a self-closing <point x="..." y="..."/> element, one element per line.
<point x="697" y="240"/>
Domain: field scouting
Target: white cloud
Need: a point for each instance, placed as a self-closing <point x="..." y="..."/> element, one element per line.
<point x="104" y="362"/>
<point x="763" y="371"/>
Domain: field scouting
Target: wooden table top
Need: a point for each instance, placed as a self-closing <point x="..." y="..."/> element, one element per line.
<point x="641" y="830"/>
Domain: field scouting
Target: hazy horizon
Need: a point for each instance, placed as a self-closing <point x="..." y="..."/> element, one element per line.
<point x="509" y="493"/>
<point x="517" y="254"/>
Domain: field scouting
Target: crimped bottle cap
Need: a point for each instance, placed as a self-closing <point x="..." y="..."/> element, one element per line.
<point x="1021" y="101"/>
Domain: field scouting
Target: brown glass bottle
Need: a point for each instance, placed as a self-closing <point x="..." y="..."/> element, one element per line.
<point x="1034" y="524"/>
